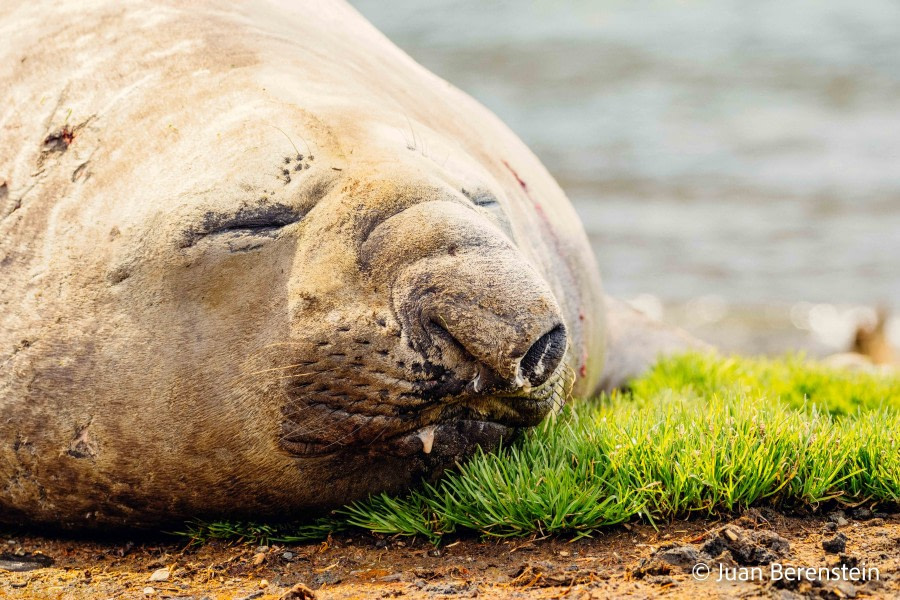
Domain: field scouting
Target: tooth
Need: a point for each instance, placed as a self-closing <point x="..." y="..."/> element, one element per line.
<point x="427" y="437"/>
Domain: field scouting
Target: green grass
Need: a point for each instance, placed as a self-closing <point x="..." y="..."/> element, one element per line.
<point x="699" y="435"/>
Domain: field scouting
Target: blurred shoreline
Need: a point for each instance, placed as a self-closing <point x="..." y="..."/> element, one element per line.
<point x="816" y="329"/>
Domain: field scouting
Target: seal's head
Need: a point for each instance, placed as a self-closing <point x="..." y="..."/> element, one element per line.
<point x="416" y="327"/>
<point x="383" y="317"/>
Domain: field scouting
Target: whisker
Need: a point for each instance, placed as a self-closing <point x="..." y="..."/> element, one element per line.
<point x="278" y="368"/>
<point x="338" y="441"/>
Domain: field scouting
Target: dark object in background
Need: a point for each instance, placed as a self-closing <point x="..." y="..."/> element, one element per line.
<point x="871" y="340"/>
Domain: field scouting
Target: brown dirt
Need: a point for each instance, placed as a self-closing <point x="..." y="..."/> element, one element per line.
<point x="633" y="562"/>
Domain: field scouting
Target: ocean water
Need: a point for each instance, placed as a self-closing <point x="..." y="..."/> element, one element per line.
<point x="733" y="162"/>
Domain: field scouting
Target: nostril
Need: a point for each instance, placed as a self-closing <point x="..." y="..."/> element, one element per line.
<point x="544" y="356"/>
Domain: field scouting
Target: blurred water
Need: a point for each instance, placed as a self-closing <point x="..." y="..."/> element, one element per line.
<point x="746" y="151"/>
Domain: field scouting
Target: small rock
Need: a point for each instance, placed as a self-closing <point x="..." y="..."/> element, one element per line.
<point x="759" y="547"/>
<point x="831" y="526"/>
<point x="835" y="545"/>
<point x="160" y="575"/>
<point x="288" y="556"/>
<point x="299" y="592"/>
<point x="844" y="589"/>
<point x="839" y="518"/>
<point x="258" y="559"/>
<point x="262" y="549"/>
<point x="326" y="578"/>
<point x="849" y="560"/>
<point x="876" y="522"/>
<point x="12" y="542"/>
<point x="666" y="560"/>
<point x="862" y="514"/>
<point x="149" y="591"/>
<point x="680" y="556"/>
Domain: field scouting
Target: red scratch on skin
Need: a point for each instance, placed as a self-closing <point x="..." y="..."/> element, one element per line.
<point x="537" y="205"/>
<point x="516" y="175"/>
<point x="584" y="352"/>
<point x="548" y="227"/>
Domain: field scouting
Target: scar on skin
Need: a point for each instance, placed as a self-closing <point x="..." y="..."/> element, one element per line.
<point x="83" y="446"/>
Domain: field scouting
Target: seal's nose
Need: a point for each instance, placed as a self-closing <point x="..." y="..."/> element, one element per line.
<point x="544" y="356"/>
<point x="533" y="369"/>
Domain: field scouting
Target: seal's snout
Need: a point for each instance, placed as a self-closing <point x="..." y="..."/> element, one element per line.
<point x="534" y="368"/>
<point x="467" y="299"/>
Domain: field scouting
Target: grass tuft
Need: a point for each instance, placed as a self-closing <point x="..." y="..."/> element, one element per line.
<point x="698" y="435"/>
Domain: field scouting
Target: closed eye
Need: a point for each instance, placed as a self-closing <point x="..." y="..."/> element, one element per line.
<point x="262" y="221"/>
<point x="480" y="197"/>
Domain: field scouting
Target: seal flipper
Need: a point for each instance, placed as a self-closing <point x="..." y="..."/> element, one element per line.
<point x="636" y="342"/>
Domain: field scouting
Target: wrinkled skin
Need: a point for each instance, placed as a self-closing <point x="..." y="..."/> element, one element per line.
<point x="255" y="260"/>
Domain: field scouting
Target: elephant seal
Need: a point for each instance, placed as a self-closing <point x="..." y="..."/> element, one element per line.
<point x="258" y="262"/>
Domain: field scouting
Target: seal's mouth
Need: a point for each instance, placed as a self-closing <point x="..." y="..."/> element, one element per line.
<point x="447" y="434"/>
<point x="450" y="428"/>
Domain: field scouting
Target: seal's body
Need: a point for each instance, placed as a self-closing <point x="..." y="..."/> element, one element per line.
<point x="255" y="260"/>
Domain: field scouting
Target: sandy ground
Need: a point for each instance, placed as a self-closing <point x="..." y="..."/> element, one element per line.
<point x="633" y="562"/>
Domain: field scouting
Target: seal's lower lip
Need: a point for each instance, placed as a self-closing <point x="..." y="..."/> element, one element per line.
<point x="450" y="438"/>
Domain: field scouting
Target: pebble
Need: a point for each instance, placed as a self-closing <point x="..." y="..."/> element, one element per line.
<point x="862" y="514"/>
<point x="288" y="556"/>
<point x="149" y="591"/>
<point x="160" y="575"/>
<point x="838" y="517"/>
<point x="835" y="545"/>
<point x="846" y="589"/>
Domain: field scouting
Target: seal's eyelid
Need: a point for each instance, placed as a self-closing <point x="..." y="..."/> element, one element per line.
<point x="481" y="197"/>
<point x="255" y="220"/>
<point x="264" y="221"/>
<point x="486" y="201"/>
